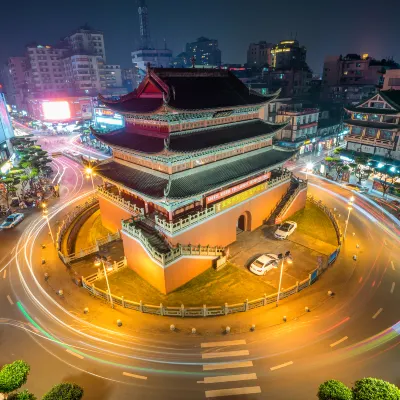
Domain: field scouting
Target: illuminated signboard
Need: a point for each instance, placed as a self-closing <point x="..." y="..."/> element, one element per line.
<point x="247" y="194"/>
<point x="104" y="111"/>
<point x="56" y="110"/>
<point x="110" y="121"/>
<point x="224" y="193"/>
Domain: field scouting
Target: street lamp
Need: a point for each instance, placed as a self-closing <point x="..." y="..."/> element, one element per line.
<point x="349" y="207"/>
<point x="309" y="167"/>
<point x="46" y="217"/>
<point x="282" y="257"/>
<point x="97" y="263"/>
<point x="89" y="171"/>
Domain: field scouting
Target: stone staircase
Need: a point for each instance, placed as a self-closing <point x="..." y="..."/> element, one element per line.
<point x="153" y="236"/>
<point x="295" y="185"/>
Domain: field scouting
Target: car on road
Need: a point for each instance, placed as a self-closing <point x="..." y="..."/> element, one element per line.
<point x="264" y="263"/>
<point x="285" y="230"/>
<point x="12" y="220"/>
<point x="357" y="187"/>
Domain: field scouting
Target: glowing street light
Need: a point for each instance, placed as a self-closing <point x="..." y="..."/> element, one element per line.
<point x="89" y="171"/>
<point x="97" y="263"/>
<point x="349" y="207"/>
<point x="46" y="217"/>
<point x="282" y="257"/>
<point x="309" y="167"/>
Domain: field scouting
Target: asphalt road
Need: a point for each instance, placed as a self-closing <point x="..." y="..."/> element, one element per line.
<point x="352" y="335"/>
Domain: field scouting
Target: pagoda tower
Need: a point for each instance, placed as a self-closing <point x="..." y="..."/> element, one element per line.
<point x="193" y="166"/>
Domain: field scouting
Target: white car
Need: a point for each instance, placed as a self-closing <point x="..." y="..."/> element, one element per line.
<point x="264" y="263"/>
<point x="12" y="220"/>
<point x="357" y="187"/>
<point x="285" y="230"/>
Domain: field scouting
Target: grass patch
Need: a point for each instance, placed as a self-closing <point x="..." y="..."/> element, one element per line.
<point x="230" y="285"/>
<point x="313" y="222"/>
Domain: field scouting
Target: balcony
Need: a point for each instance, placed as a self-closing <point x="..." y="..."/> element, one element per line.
<point x="370" y="141"/>
<point x="303" y="111"/>
<point x="125" y="204"/>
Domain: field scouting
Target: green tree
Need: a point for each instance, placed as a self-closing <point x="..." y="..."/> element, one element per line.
<point x="13" y="376"/>
<point x="334" y="390"/>
<point x="388" y="179"/>
<point x="361" y="169"/>
<point x="8" y="184"/>
<point x="25" y="395"/>
<point x="64" y="391"/>
<point x="375" y="389"/>
<point x="337" y="165"/>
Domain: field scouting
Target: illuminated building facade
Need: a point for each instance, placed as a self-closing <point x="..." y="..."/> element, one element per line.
<point x="259" y="54"/>
<point x="6" y="132"/>
<point x="288" y="54"/>
<point x="193" y="166"/>
<point x="205" y="51"/>
<point x="374" y="126"/>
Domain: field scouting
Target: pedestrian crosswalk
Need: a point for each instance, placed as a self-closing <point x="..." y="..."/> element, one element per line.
<point x="221" y="382"/>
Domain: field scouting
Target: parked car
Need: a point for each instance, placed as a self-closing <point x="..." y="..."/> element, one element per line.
<point x="264" y="263"/>
<point x="357" y="187"/>
<point x="285" y="230"/>
<point x="12" y="220"/>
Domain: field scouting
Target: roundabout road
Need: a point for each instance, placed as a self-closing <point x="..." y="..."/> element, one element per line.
<point x="351" y="335"/>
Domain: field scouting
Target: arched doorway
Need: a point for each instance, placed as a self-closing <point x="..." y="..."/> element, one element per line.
<point x="243" y="223"/>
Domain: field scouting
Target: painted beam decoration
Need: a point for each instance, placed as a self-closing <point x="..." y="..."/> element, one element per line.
<point x="234" y="189"/>
<point x="240" y="197"/>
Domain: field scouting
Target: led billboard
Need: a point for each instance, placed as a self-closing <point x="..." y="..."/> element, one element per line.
<point x="56" y="110"/>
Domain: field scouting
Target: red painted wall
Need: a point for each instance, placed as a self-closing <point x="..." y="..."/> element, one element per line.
<point x="221" y="230"/>
<point x="298" y="203"/>
<point x="111" y="215"/>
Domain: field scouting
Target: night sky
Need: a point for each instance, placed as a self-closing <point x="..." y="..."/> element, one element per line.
<point x="324" y="27"/>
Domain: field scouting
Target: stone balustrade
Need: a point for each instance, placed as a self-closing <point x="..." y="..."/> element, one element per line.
<point x="183" y="223"/>
<point x="126" y="204"/>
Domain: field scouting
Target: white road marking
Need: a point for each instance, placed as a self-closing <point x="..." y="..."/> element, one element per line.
<point x="229" y="378"/>
<point x="281" y="366"/>
<point x="134" y="376"/>
<point x="384" y="241"/>
<point x="239" y="364"/>
<point x="339" y="341"/>
<point x="4" y="274"/>
<point x="233" y="392"/>
<point x="226" y="354"/>
<point x="75" y="354"/>
<point x="226" y="343"/>
<point x="377" y="313"/>
<point x="391" y="262"/>
<point x="392" y="289"/>
<point x="9" y="299"/>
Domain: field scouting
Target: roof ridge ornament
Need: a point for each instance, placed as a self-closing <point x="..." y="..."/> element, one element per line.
<point x="193" y="61"/>
<point x="167" y="142"/>
<point x="168" y="187"/>
<point x="148" y="67"/>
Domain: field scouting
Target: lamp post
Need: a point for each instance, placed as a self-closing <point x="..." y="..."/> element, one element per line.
<point x="46" y="217"/>
<point x="282" y="257"/>
<point x="97" y="263"/>
<point x="349" y="207"/>
<point x="89" y="171"/>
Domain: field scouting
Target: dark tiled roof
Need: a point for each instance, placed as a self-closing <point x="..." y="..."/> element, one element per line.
<point x="392" y="97"/>
<point x="370" y="124"/>
<point x="198" y="181"/>
<point x="197" y="140"/>
<point x="197" y="89"/>
<point x="190" y="89"/>
<point x="370" y="110"/>
<point x="131" y="140"/>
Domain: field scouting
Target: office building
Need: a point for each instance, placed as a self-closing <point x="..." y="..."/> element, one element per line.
<point x="288" y="54"/>
<point x="205" y="51"/>
<point x="259" y="54"/>
<point x="6" y="134"/>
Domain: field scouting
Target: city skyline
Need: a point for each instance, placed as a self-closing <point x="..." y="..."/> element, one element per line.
<point x="233" y="24"/>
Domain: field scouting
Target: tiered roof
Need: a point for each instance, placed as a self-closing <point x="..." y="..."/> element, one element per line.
<point x="195" y="181"/>
<point x="189" y="141"/>
<point x="392" y="97"/>
<point x="187" y="89"/>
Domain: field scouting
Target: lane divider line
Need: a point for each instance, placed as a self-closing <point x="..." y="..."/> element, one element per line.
<point x="281" y="366"/>
<point x="226" y="343"/>
<point x="233" y="392"/>
<point x="239" y="364"/>
<point x="226" y="354"/>
<point x="5" y="274"/>
<point x="9" y="300"/>
<point x="339" y="341"/>
<point x="393" y="268"/>
<point x="229" y="378"/>
<point x="377" y="313"/>
<point x="134" y="376"/>
<point x="75" y="354"/>
<point x="392" y="289"/>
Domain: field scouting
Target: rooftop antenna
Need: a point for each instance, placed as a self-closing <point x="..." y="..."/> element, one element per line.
<point x="165" y="44"/>
<point x="143" y="24"/>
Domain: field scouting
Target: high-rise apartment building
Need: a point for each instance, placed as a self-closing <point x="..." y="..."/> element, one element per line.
<point x="15" y="81"/>
<point x="259" y="54"/>
<point x="205" y="51"/>
<point x="288" y="54"/>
